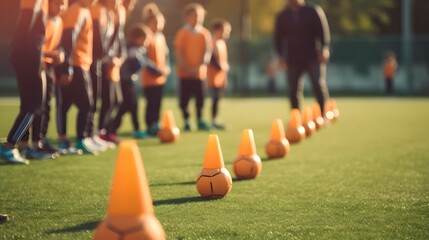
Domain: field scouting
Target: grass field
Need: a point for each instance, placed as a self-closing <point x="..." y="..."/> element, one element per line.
<point x="365" y="177"/>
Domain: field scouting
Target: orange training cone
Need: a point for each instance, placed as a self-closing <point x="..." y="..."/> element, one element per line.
<point x="169" y="132"/>
<point x="278" y="146"/>
<point x="317" y="116"/>
<point x="295" y="132"/>
<point x="214" y="181"/>
<point x="130" y="213"/>
<point x="307" y="122"/>
<point x="248" y="164"/>
<point x="327" y="113"/>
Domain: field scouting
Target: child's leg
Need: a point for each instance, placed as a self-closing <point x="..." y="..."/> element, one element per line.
<point x="45" y="118"/>
<point x="153" y="97"/>
<point x="215" y="92"/>
<point x="96" y="89"/>
<point x="185" y="96"/>
<point x="124" y="107"/>
<point x="83" y="100"/>
<point x="31" y="91"/>
<point x="199" y="97"/>
<point x="64" y="100"/>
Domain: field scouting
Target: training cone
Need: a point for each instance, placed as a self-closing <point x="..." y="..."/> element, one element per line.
<point x="317" y="116"/>
<point x="130" y="213"/>
<point x="333" y="107"/>
<point x="248" y="164"/>
<point x="307" y="122"/>
<point x="214" y="181"/>
<point x="295" y="132"/>
<point x="327" y="113"/>
<point x="278" y="146"/>
<point x="169" y="132"/>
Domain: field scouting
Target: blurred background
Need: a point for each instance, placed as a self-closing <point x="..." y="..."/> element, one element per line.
<point x="362" y="32"/>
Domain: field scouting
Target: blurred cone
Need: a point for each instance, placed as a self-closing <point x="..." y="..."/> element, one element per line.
<point x="295" y="132"/>
<point x="213" y="157"/>
<point x="130" y="209"/>
<point x="307" y="121"/>
<point x="130" y="191"/>
<point x="317" y="116"/>
<point x="247" y="143"/>
<point x="278" y="146"/>
<point x="169" y="132"/>
<point x="168" y="120"/>
<point x="328" y="114"/>
<point x="277" y="130"/>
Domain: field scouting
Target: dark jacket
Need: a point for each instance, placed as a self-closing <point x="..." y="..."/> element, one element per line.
<point x="299" y="36"/>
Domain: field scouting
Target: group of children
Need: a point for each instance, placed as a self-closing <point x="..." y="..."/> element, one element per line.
<point x="80" y="49"/>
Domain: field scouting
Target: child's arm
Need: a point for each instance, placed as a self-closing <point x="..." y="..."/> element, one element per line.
<point x="137" y="60"/>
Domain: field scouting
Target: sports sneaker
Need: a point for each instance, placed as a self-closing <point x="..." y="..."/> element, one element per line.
<point x="86" y="146"/>
<point x="98" y="144"/>
<point x="45" y="147"/>
<point x="106" y="144"/>
<point x="202" y="125"/>
<point x="3" y="218"/>
<point x="31" y="153"/>
<point x="153" y="130"/>
<point x="187" y="127"/>
<point x="140" y="134"/>
<point x="65" y="148"/>
<point x="218" y="126"/>
<point x="110" y="137"/>
<point x="12" y="156"/>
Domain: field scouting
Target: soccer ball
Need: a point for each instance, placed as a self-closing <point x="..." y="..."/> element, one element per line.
<point x="295" y="135"/>
<point x="130" y="228"/>
<point x="247" y="167"/>
<point x="168" y="135"/>
<point x="320" y="122"/>
<point x="277" y="149"/>
<point x="214" y="182"/>
<point x="310" y="128"/>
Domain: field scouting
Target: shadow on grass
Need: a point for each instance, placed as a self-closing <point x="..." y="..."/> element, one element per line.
<point x="182" y="201"/>
<point x="266" y="159"/>
<point x="78" y="228"/>
<point x="172" y="184"/>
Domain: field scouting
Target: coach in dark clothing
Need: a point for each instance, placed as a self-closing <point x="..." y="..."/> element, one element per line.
<point x="301" y="40"/>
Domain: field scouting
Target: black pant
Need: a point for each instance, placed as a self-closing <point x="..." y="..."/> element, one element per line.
<point x="216" y="93"/>
<point x="191" y="88"/>
<point x="32" y="90"/>
<point x="317" y="74"/>
<point x="42" y="121"/>
<point x="389" y="86"/>
<point x="153" y="104"/>
<point x="96" y="92"/>
<point x="78" y="92"/>
<point x="129" y="104"/>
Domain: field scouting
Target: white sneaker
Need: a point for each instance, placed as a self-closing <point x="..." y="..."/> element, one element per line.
<point x="89" y="144"/>
<point x="101" y="146"/>
<point x="106" y="144"/>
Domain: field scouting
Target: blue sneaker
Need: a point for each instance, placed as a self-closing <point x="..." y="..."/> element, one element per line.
<point x="187" y="127"/>
<point x="12" y="156"/>
<point x="30" y="153"/>
<point x="3" y="218"/>
<point x="153" y="130"/>
<point x="85" y="146"/>
<point x="203" y="126"/>
<point x="140" y="134"/>
<point x="65" y="148"/>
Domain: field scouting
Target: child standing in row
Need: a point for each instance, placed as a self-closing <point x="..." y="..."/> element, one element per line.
<point x="218" y="68"/>
<point x="152" y="82"/>
<point x="193" y="49"/>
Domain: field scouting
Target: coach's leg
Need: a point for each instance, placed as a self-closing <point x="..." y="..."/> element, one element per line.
<point x="317" y="74"/>
<point x="294" y="73"/>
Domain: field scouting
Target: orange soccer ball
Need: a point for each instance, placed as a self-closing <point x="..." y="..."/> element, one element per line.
<point x="130" y="228"/>
<point x="214" y="182"/>
<point x="168" y="135"/>
<point x="295" y="135"/>
<point x="247" y="167"/>
<point x="277" y="149"/>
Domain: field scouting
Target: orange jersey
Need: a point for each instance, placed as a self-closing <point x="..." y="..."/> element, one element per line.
<point x="216" y="76"/>
<point x="54" y="29"/>
<point x="157" y="52"/>
<point x="194" y="48"/>
<point x="389" y="69"/>
<point x="78" y="36"/>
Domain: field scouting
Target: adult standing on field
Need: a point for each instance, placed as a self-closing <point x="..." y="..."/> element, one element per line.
<point x="302" y="40"/>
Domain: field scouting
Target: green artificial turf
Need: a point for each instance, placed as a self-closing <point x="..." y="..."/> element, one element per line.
<point x="364" y="177"/>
